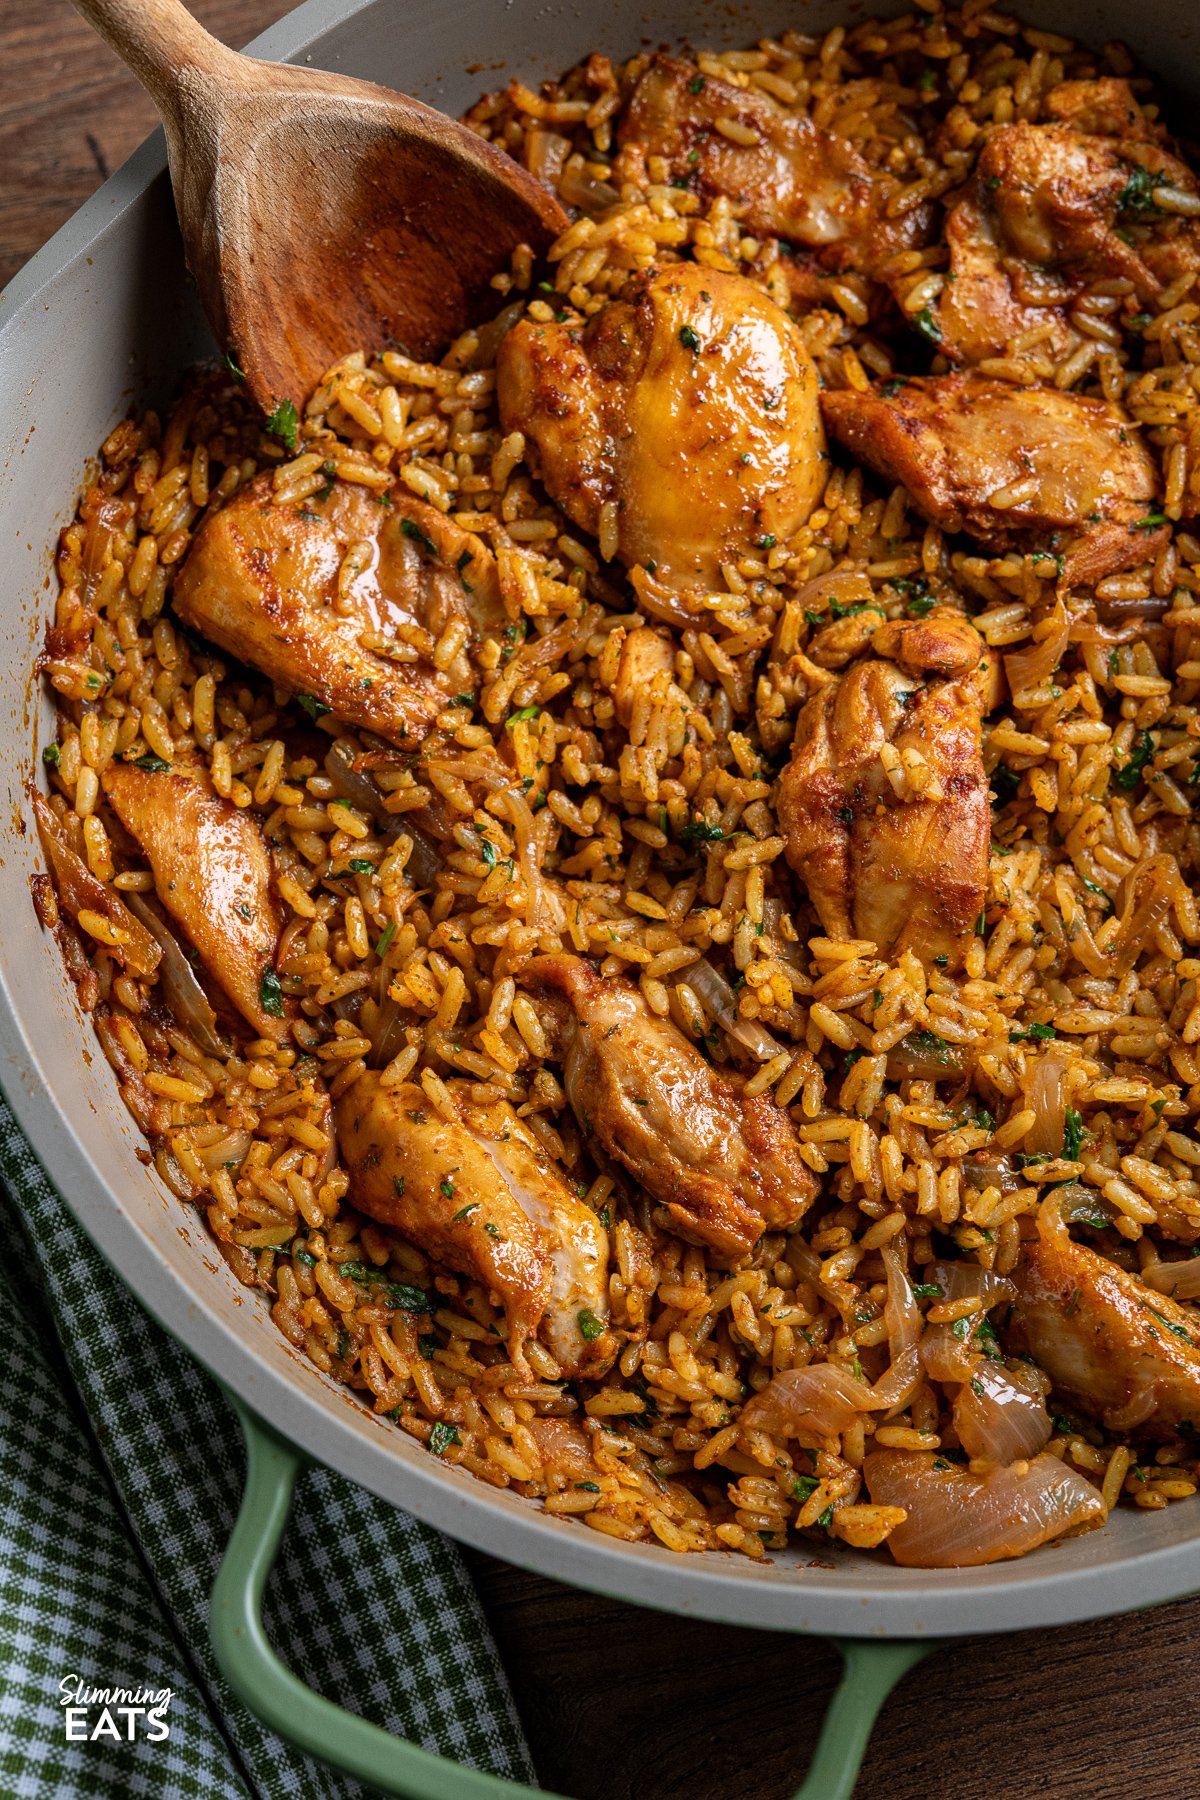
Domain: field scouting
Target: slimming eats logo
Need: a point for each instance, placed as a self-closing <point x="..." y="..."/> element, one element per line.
<point x="118" y="1714"/>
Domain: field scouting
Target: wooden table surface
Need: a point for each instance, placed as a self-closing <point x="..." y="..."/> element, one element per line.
<point x="618" y="1703"/>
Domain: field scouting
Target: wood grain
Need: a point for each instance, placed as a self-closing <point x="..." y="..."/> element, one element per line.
<point x="618" y="1703"/>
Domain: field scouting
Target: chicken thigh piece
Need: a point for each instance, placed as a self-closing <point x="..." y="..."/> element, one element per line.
<point x="884" y="807"/>
<point x="1027" y="468"/>
<point x="479" y="1194"/>
<point x="1053" y="207"/>
<point x="211" y="872"/>
<point x="724" y="1166"/>
<point x="808" y="186"/>
<point x="689" y="408"/>
<point x="1119" y="1351"/>
<point x="341" y="598"/>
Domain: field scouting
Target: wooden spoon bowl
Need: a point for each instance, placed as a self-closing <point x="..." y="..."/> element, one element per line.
<point x="319" y="214"/>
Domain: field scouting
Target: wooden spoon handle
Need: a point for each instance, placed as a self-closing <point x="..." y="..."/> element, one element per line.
<point x="159" y="40"/>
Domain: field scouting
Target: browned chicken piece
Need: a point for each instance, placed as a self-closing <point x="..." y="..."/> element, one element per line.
<point x="211" y="872"/>
<point x="690" y="407"/>
<point x="1103" y="106"/>
<point x="808" y="186"/>
<point x="1050" y="209"/>
<point x="272" y="586"/>
<point x="479" y="1194"/>
<point x="902" y="862"/>
<point x="1116" y="1349"/>
<point x="724" y="1166"/>
<point x="1027" y="468"/>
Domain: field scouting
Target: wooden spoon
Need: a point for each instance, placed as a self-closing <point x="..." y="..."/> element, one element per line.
<point x="321" y="215"/>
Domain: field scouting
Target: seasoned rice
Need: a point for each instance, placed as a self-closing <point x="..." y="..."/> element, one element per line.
<point x="651" y="846"/>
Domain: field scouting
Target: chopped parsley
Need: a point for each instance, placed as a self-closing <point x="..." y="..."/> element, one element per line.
<point x="284" y="425"/>
<point x="526" y="712"/>
<point x="412" y="530"/>
<point x="1149" y="521"/>
<point x="153" y="765"/>
<point x="52" y="756"/>
<point x="696" y="85"/>
<point x="804" y="1487"/>
<point x="590" y="1326"/>
<point x="361" y="865"/>
<point x="927" y="1290"/>
<point x="1037" y="1032"/>
<point x="1072" y="1134"/>
<point x="1130" y="773"/>
<point x="1137" y="194"/>
<point x="447" y="1188"/>
<point x="699" y="831"/>
<point x="316" y="709"/>
<point x="688" y="339"/>
<point x="927" y="325"/>
<point x="442" y="1436"/>
<point x="388" y="935"/>
<point x="270" y="993"/>
<point x="231" y="363"/>
<point x="464" y="1212"/>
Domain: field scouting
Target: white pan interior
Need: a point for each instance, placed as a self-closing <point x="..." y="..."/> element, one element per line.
<point x="104" y="319"/>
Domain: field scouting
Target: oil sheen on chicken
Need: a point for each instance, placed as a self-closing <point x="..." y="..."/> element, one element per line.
<point x="690" y="406"/>
<point x="724" y="1166"/>
<point x="908" y="869"/>
<point x="811" y="187"/>
<point x="342" y="598"/>
<point x="1018" y="467"/>
<point x="1116" y="1349"/>
<point x="211" y="872"/>
<point x="479" y="1194"/>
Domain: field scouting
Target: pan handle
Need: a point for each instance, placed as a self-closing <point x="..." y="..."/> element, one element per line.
<point x="352" y="1744"/>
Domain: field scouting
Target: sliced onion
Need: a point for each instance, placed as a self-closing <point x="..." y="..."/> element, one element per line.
<point x="565" y="1449"/>
<point x="821" y="1401"/>
<point x="357" y="785"/>
<point x="1180" y="1279"/>
<point x="660" y="601"/>
<point x="1148" y="891"/>
<point x="991" y="1170"/>
<point x="1044" y="1094"/>
<point x="545" y="154"/>
<point x="81" y="891"/>
<point x="923" y="1056"/>
<point x="580" y="189"/>
<point x="1031" y="668"/>
<point x="231" y="1148"/>
<point x="902" y="1316"/>
<point x="948" y="1356"/>
<point x="957" y="1520"/>
<point x="716" y="994"/>
<point x="545" y="912"/>
<point x="180" y="987"/>
<point x="996" y="1415"/>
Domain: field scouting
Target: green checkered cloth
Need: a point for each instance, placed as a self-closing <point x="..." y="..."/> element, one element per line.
<point x="121" y="1470"/>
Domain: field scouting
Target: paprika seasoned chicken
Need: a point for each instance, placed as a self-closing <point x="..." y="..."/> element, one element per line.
<point x="480" y="1194"/>
<point x="1054" y="207"/>
<point x="682" y="421"/>
<point x="1119" y="1351"/>
<point x="783" y="175"/>
<point x="1024" y="468"/>
<point x="212" y="874"/>
<point x="884" y="806"/>
<point x="725" y="1167"/>
<point x="343" y="598"/>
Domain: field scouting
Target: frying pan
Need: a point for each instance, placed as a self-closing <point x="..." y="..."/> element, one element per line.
<point x="104" y="319"/>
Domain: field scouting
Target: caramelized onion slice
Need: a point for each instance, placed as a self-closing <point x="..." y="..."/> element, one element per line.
<point x="180" y="988"/>
<point x="1180" y="1279"/>
<point x="1044" y="1094"/>
<point x="712" y="989"/>
<point x="357" y="786"/>
<point x="957" y="1520"/>
<point x="903" y="1319"/>
<point x="81" y="891"/>
<point x="820" y="1401"/>
<point x="999" y="1414"/>
<point x="923" y="1056"/>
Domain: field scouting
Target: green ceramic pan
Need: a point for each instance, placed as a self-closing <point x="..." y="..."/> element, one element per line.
<point x="104" y="319"/>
